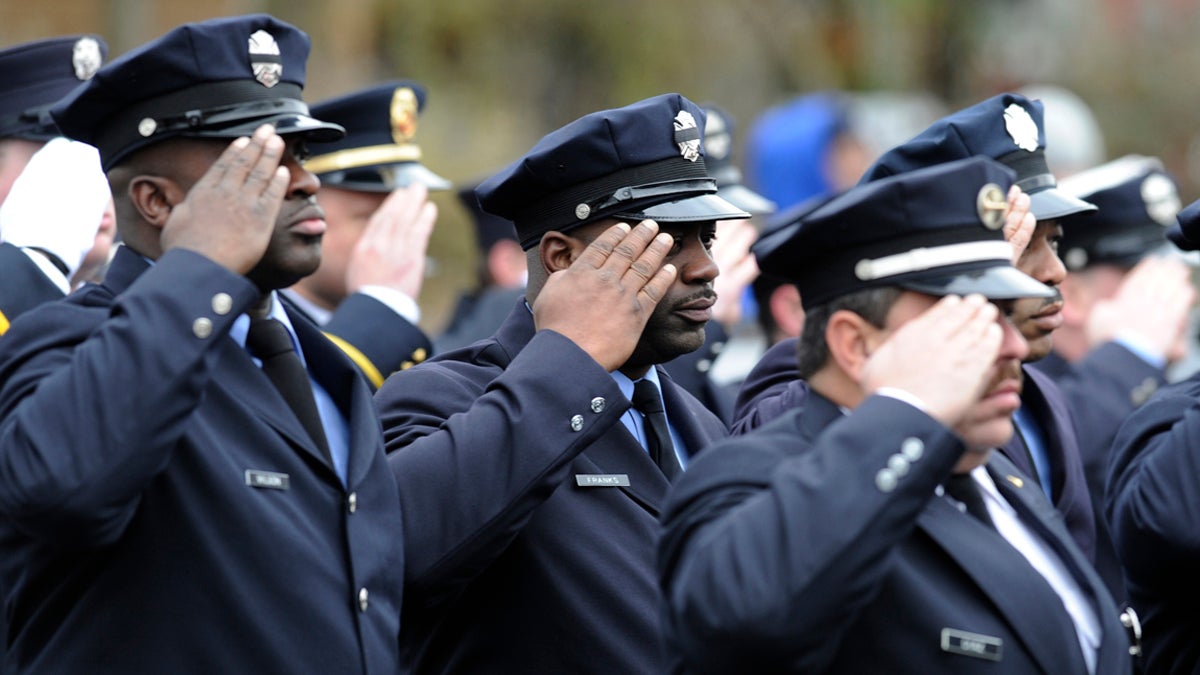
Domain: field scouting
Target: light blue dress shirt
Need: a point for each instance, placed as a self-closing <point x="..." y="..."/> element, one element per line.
<point x="633" y="421"/>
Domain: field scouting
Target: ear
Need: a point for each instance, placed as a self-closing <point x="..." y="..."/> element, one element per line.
<point x="153" y="197"/>
<point x="851" y="340"/>
<point x="786" y="310"/>
<point x="557" y="251"/>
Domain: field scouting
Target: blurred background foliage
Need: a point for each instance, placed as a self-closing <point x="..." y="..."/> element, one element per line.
<point x="502" y="74"/>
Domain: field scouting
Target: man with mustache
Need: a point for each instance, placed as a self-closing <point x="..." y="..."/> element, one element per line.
<point x="1007" y="128"/>
<point x="192" y="477"/>
<point x="875" y="530"/>
<point x="532" y="465"/>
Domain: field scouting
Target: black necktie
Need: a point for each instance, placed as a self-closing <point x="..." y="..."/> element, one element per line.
<point x="658" y="438"/>
<point x="268" y="340"/>
<point x="964" y="488"/>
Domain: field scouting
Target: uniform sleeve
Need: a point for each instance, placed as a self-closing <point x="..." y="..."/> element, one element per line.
<point x="770" y="553"/>
<point x="476" y="449"/>
<point x="1152" y="503"/>
<point x="770" y="389"/>
<point x="94" y="398"/>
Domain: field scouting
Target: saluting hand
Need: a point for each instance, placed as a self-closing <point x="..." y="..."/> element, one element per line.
<point x="1019" y="222"/>
<point x="963" y="338"/>
<point x="1152" y="304"/>
<point x="391" y="251"/>
<point x="602" y="301"/>
<point x="229" y="214"/>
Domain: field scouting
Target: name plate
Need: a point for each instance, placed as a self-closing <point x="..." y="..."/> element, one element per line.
<point x="602" y="480"/>
<point x="269" y="480"/>
<point x="972" y="644"/>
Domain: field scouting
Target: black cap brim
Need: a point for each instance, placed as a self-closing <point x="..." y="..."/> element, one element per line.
<point x="288" y="124"/>
<point x="704" y="207"/>
<point x="1001" y="282"/>
<point x="1052" y="203"/>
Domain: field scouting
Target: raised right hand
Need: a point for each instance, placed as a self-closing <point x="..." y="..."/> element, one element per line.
<point x="602" y="301"/>
<point x="229" y="214"/>
<point x="944" y="357"/>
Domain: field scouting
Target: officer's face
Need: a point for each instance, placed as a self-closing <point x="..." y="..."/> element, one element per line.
<point x="677" y="325"/>
<point x="1037" y="318"/>
<point x="347" y="213"/>
<point x="294" y="251"/>
<point x="988" y="422"/>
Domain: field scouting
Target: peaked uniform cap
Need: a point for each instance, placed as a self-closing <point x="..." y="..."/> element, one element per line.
<point x="645" y="160"/>
<point x="379" y="152"/>
<point x="1008" y="128"/>
<point x="1137" y="201"/>
<point x="936" y="230"/>
<point x="35" y="75"/>
<point x="213" y="79"/>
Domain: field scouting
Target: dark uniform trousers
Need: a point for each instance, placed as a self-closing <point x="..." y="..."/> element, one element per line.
<point x="790" y="550"/>
<point x="162" y="510"/>
<point x="531" y="512"/>
<point x="1153" y="508"/>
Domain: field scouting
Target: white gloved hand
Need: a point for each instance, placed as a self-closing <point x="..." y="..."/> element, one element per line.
<point x="57" y="202"/>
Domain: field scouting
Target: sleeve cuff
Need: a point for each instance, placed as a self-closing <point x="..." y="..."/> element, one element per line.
<point x="397" y="301"/>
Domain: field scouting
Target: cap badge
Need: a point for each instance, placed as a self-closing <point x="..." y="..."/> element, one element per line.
<point x="1021" y="127"/>
<point x="264" y="58"/>
<point x="86" y="58"/>
<point x="1161" y="198"/>
<point x="404" y="115"/>
<point x="687" y="136"/>
<point x="991" y="205"/>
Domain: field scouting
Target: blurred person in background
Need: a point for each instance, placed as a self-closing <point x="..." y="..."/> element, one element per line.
<point x="500" y="278"/>
<point x="374" y="191"/>
<point x="1124" y="314"/>
<point x="37" y="261"/>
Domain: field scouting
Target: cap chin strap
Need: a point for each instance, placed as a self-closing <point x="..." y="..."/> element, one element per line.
<point x="920" y="259"/>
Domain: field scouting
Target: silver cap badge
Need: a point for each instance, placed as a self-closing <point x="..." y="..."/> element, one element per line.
<point x="264" y="58"/>
<point x="689" y="143"/>
<point x="86" y="58"/>
<point x="1021" y="127"/>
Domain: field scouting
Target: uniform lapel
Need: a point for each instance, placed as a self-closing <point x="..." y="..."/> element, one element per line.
<point x="1023" y="598"/>
<point x="618" y="452"/>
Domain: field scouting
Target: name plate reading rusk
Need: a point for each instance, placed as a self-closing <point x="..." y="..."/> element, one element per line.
<point x="972" y="644"/>
<point x="266" y="479"/>
<point x="602" y="480"/>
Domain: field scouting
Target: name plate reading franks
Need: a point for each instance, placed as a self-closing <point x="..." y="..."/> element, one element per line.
<point x="972" y="644"/>
<point x="266" y="479"/>
<point x="602" y="480"/>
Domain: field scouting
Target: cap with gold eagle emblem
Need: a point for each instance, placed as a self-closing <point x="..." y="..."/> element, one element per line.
<point x="379" y="152"/>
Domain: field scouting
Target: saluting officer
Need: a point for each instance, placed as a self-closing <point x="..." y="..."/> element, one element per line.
<point x="1009" y="129"/>
<point x="876" y="530"/>
<point x="530" y="485"/>
<point x="374" y="192"/>
<point x="192" y="478"/>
